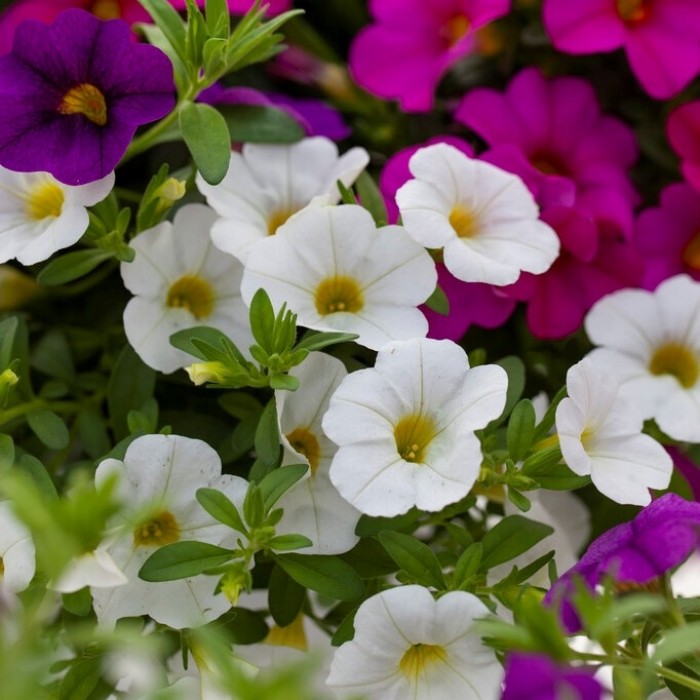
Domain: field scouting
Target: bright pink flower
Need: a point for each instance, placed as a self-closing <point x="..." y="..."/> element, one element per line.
<point x="413" y="43"/>
<point x="661" y="37"/>
<point x="668" y="236"/>
<point x="479" y="304"/>
<point x="683" y="129"/>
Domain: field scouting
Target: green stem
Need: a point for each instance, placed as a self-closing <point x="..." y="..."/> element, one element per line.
<point x="679" y="678"/>
<point x="22" y="409"/>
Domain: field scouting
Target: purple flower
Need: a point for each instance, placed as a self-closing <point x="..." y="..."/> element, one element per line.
<point x="537" y="677"/>
<point x="658" y="539"/>
<point x="683" y="130"/>
<point x="73" y="94"/>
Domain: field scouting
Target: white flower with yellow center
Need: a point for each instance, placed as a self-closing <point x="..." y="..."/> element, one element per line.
<point x="484" y="218"/>
<point x="650" y="343"/>
<point x="338" y="272"/>
<point x="409" y="645"/>
<point x="157" y="483"/>
<point x="180" y="280"/>
<point x="601" y="435"/>
<point x="17" y="554"/>
<point x="267" y="184"/>
<point x="40" y="215"/>
<point x="406" y="427"/>
<point x="313" y="507"/>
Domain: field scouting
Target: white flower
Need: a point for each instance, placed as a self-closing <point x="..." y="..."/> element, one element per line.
<point x="40" y="215"/>
<point x="313" y="507"/>
<point x="157" y="483"/>
<point x="601" y="435"/>
<point x="338" y="272"/>
<point x="485" y="218"/>
<point x="406" y="427"/>
<point x="267" y="184"/>
<point x="181" y="281"/>
<point x="408" y="645"/>
<point x="17" y="554"/>
<point x="96" y="568"/>
<point x="651" y="345"/>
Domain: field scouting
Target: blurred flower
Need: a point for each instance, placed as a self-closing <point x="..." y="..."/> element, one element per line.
<point x="95" y="568"/>
<point x="412" y="44"/>
<point x="17" y="554"/>
<point x="408" y="645"/>
<point x="660" y="37"/>
<point x="267" y="184"/>
<point x="683" y="128"/>
<point x="338" y="272"/>
<point x="406" y="427"/>
<point x="68" y="107"/>
<point x="16" y="288"/>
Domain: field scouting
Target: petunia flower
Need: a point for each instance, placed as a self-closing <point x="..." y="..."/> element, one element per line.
<point x="683" y="129"/>
<point x="267" y="184"/>
<point x="484" y="218"/>
<point x="70" y="108"/>
<point x="409" y="645"/>
<point x="412" y="44"/>
<point x="39" y="215"/>
<point x="181" y="281"/>
<point x="338" y="272"/>
<point x="657" y="540"/>
<point x="157" y="482"/>
<point x="96" y="568"/>
<point x="650" y="343"/>
<point x="17" y="553"/>
<point x="313" y="507"/>
<point x="660" y="37"/>
<point x="600" y="435"/>
<point x="405" y="428"/>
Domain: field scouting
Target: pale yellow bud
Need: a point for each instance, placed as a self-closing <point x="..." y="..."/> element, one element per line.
<point x="203" y="372"/>
<point x="169" y="192"/>
<point x="8" y="378"/>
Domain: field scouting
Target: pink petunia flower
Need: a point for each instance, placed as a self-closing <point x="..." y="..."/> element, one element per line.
<point x="412" y="43"/>
<point x="660" y="37"/>
<point x="683" y="128"/>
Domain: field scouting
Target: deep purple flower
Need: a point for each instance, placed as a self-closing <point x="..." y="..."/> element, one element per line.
<point x="73" y="94"/>
<point x="537" y="677"/>
<point x="688" y="469"/>
<point x="658" y="539"/>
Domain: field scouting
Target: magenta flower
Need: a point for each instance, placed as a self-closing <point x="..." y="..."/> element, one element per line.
<point x="668" y="236"/>
<point x="658" y="539"/>
<point x="660" y="37"/>
<point x="688" y="469"/>
<point x="412" y="43"/>
<point x="70" y="108"/>
<point x="683" y="129"/>
<point x="537" y="677"/>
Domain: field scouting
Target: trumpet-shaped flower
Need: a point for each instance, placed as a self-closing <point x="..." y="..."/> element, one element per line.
<point x="17" y="554"/>
<point x="484" y="218"/>
<point x="181" y="281"/>
<point x="313" y="507"/>
<point x="600" y="435"/>
<point x="406" y="427"/>
<point x="95" y="568"/>
<point x="39" y="215"/>
<point x="267" y="184"/>
<point x="157" y="483"/>
<point x="408" y="645"/>
<point x="338" y="272"/>
<point x="650" y="343"/>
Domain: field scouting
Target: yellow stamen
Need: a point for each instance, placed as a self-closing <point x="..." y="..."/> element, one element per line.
<point x="306" y="443"/>
<point x="455" y="29"/>
<point x="413" y="434"/>
<point x="419" y="656"/>
<point x="277" y="218"/>
<point x="292" y="635"/>
<point x="87" y="100"/>
<point x="159" y="530"/>
<point x="44" y="200"/>
<point x="338" y="294"/>
<point x="633" y="11"/>
<point x="463" y="221"/>
<point x="106" y="9"/>
<point x="192" y="293"/>
<point x="677" y="360"/>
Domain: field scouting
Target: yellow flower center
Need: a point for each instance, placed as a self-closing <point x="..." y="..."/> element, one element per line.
<point x="106" y="9"/>
<point x="292" y="635"/>
<point x="159" y="530"/>
<point x="463" y="221"/>
<point x="192" y="293"/>
<point x="413" y="434"/>
<point x="691" y="253"/>
<point x="677" y="360"/>
<point x="87" y="100"/>
<point x="633" y="11"/>
<point x="2" y="567"/>
<point x="418" y="657"/>
<point x="455" y="29"/>
<point x="337" y="294"/>
<point x="45" y="200"/>
<point x="306" y="443"/>
<point x="277" y="218"/>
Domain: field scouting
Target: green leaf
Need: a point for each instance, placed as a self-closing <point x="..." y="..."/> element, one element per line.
<point x="52" y="356"/>
<point x="329" y="576"/>
<point x="254" y="506"/>
<point x="206" y="135"/>
<point x="72" y="266"/>
<point x="221" y="508"/>
<point x="521" y="428"/>
<point x="547" y="422"/>
<point x="183" y="560"/>
<point x="371" y="198"/>
<point x="510" y="537"/>
<point x="285" y="597"/>
<point x="92" y="433"/>
<point x="262" y="320"/>
<point x="7" y="451"/>
<point x="170" y="23"/>
<point x="81" y="679"/>
<point x="545" y="469"/>
<point x="414" y="557"/>
<point x="622" y="610"/>
<point x="515" y="369"/>
<point x="218" y="21"/>
<point x="8" y="330"/>
<point x="204" y="336"/>
<point x="467" y="565"/>
<point x="287" y="543"/>
<point x="38" y="474"/>
<point x="78" y="603"/>
<point x="242" y="626"/>
<point x="279" y="481"/>
<point x="370" y="559"/>
<point x="438" y="302"/>
<point x="345" y="631"/>
<point x="283" y="382"/>
<point x="317" y="341"/>
<point x="255" y="124"/>
<point x="267" y="442"/>
<point x="49" y="428"/>
<point x="677" y="643"/>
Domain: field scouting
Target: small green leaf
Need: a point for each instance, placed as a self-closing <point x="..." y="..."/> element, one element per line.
<point x="285" y="597"/>
<point x="510" y="537"/>
<point x="206" y="135"/>
<point x="37" y="473"/>
<point x="254" y="124"/>
<point x="49" y="428"/>
<point x="319" y="340"/>
<point x="254" y="506"/>
<point x="414" y="557"/>
<point x="221" y="508"/>
<point x="515" y="369"/>
<point x="92" y="433"/>
<point x="279" y="481"/>
<point x="262" y="320"/>
<point x="218" y="21"/>
<point x="81" y="679"/>
<point x="267" y="442"/>
<point x="371" y="198"/>
<point x="7" y="451"/>
<point x="169" y="22"/>
<point x="288" y="543"/>
<point x="677" y="643"/>
<point x="183" y="560"/>
<point x="521" y="428"/>
<point x="242" y="626"/>
<point x="467" y="565"/>
<point x="78" y="603"/>
<point x="72" y="266"/>
<point x="438" y="302"/>
<point x="329" y="576"/>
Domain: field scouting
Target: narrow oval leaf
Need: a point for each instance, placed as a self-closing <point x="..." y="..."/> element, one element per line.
<point x="280" y="480"/>
<point x="49" y="428"/>
<point x="414" y="557"/>
<point x="328" y="576"/>
<point x="206" y="135"/>
<point x="253" y="124"/>
<point x="509" y="538"/>
<point x="521" y="427"/>
<point x="182" y="560"/>
<point x="221" y="508"/>
<point x="285" y="597"/>
<point x="72" y="266"/>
